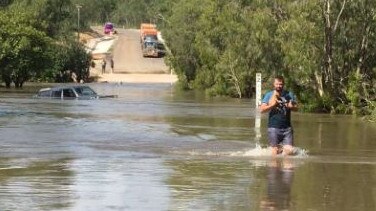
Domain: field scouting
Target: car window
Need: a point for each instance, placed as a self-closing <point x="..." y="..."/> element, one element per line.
<point x="68" y="93"/>
<point x="56" y="94"/>
<point x="150" y="44"/>
<point x="44" y="93"/>
<point x="85" y="91"/>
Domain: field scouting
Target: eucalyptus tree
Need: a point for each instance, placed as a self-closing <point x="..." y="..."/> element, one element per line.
<point x="328" y="46"/>
<point x="222" y="44"/>
<point x="301" y="39"/>
<point x="180" y="37"/>
<point x="57" y="15"/>
<point x="96" y="11"/>
<point x="133" y="12"/>
<point x="355" y="52"/>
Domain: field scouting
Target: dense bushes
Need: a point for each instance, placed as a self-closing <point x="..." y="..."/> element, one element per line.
<point x="36" y="42"/>
<point x="325" y="49"/>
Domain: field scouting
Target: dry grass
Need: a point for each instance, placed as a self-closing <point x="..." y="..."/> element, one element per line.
<point x="88" y="35"/>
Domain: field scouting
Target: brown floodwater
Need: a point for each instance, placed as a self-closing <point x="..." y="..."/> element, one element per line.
<point x="157" y="148"/>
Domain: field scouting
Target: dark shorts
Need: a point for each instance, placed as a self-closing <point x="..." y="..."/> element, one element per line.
<point x="282" y="136"/>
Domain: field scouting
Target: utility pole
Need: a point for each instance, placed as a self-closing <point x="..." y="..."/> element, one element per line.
<point x="78" y="21"/>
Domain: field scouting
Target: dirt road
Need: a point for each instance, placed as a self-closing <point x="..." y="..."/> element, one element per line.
<point x="130" y="65"/>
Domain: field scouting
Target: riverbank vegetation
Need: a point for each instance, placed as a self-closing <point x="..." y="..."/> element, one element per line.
<point x="37" y="43"/>
<point x="325" y="49"/>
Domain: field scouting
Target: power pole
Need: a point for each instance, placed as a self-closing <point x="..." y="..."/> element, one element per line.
<point x="78" y="21"/>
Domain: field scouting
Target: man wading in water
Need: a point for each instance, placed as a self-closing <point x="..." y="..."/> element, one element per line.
<point x="279" y="103"/>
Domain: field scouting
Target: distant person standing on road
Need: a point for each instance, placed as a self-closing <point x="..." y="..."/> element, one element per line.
<point x="112" y="65"/>
<point x="103" y="66"/>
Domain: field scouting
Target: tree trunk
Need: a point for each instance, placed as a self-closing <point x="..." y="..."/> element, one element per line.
<point x="331" y="75"/>
<point x="319" y="83"/>
<point x="360" y="66"/>
<point x="234" y="77"/>
<point x="363" y="50"/>
<point x="328" y="47"/>
<point x="7" y="80"/>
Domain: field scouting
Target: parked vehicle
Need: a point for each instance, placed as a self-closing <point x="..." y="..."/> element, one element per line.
<point x="148" y="30"/>
<point x="153" y="48"/>
<point x="69" y="93"/>
<point x="109" y="28"/>
<point x="150" y="44"/>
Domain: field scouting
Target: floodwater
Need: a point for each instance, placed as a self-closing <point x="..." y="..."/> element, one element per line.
<point x="157" y="148"/>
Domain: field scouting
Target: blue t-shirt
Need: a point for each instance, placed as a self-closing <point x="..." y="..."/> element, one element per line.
<point x="280" y="116"/>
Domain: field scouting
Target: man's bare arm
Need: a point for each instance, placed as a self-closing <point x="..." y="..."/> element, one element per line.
<point x="266" y="107"/>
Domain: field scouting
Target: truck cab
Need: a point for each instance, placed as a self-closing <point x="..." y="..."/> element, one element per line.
<point x="152" y="48"/>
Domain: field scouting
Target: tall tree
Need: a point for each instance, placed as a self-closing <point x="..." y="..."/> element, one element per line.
<point x="22" y="53"/>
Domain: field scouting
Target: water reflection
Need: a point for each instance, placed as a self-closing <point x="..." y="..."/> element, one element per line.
<point x="35" y="184"/>
<point x="280" y="175"/>
<point x="212" y="185"/>
<point x="258" y="184"/>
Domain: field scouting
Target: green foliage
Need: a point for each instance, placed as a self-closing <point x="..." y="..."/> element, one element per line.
<point x="36" y="43"/>
<point x="353" y="92"/>
<point x="326" y="60"/>
<point x="326" y="55"/>
<point x="221" y="45"/>
<point x="22" y="53"/>
<point x="372" y="112"/>
<point x="129" y="13"/>
<point x="57" y="16"/>
<point x="95" y="11"/>
<point x="68" y="58"/>
<point x="184" y="59"/>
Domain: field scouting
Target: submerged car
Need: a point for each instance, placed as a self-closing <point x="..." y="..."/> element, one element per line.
<point x="68" y="92"/>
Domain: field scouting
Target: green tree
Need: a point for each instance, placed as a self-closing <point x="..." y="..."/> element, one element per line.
<point x="225" y="44"/>
<point x="69" y="58"/>
<point x="95" y="11"/>
<point x="180" y="37"/>
<point x="327" y="46"/>
<point x="57" y="16"/>
<point x="22" y="53"/>
<point x="301" y="38"/>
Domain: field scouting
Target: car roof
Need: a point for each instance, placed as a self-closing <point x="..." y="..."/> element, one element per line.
<point x="45" y="89"/>
<point x="55" y="88"/>
<point x="67" y="86"/>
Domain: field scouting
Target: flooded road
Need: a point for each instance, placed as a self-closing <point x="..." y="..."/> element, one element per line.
<point x="157" y="148"/>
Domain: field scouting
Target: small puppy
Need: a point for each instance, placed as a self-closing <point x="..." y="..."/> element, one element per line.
<point x="275" y="97"/>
